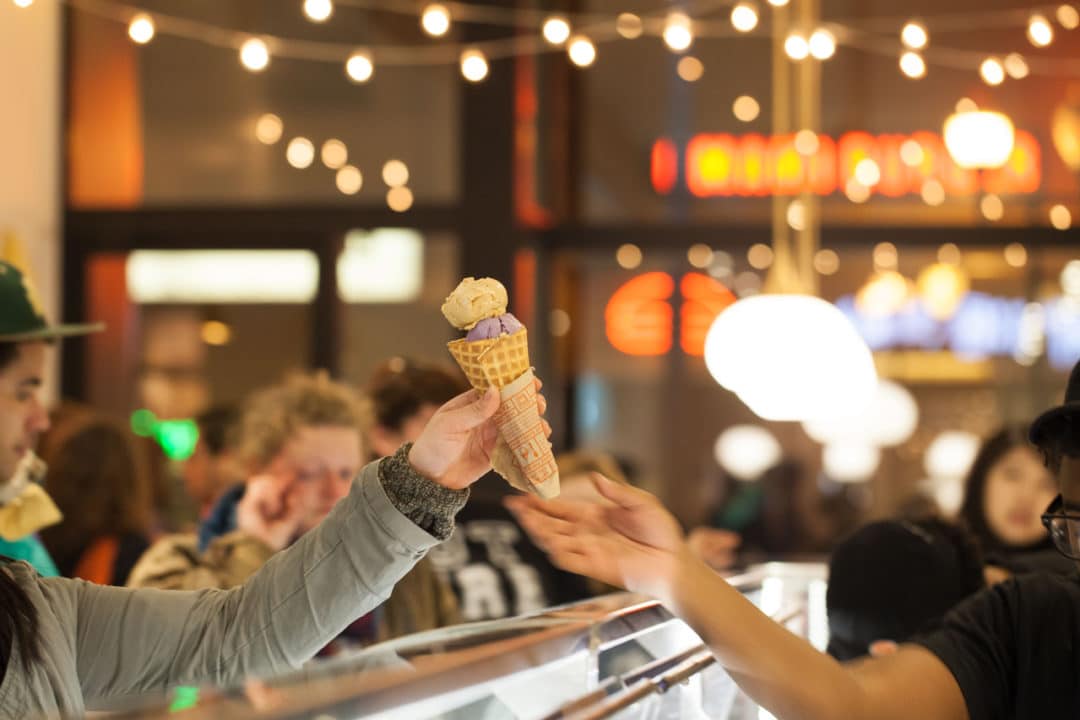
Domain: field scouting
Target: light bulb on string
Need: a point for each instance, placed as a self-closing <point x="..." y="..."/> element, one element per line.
<point x="690" y="68"/>
<point x="23" y="3"/>
<point x="1039" y="31"/>
<point x="141" y="30"/>
<point x="912" y="65"/>
<point x="395" y="173"/>
<point x="993" y="209"/>
<point x="359" y="67"/>
<point x="581" y="50"/>
<point x="556" y="30"/>
<point x="933" y="192"/>
<point x="806" y="142"/>
<point x="435" y="19"/>
<point x="914" y="36"/>
<point x="822" y="44"/>
<point x="474" y="66"/>
<point x="744" y="17"/>
<point x="746" y="108"/>
<point x="1068" y="17"/>
<point x="1016" y="66"/>
<point x="868" y="172"/>
<point x="318" y="10"/>
<point x="399" y="199"/>
<point x="300" y="153"/>
<point x="1060" y="217"/>
<point x="349" y="180"/>
<point x="796" y="47"/>
<point x="778" y="3"/>
<point x="334" y="154"/>
<point x="992" y="71"/>
<point x="678" y="35"/>
<point x="268" y="129"/>
<point x="629" y="26"/>
<point x="912" y="153"/>
<point x="254" y="55"/>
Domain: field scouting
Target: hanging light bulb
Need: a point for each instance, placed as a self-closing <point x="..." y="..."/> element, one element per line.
<point x="254" y="55"/>
<point x="435" y="20"/>
<point x="914" y="36"/>
<point x="1060" y="217"/>
<point x="556" y="30"/>
<point x="746" y="108"/>
<point x="912" y="64"/>
<point x="334" y="154"/>
<point x="979" y="139"/>
<point x="359" y="66"/>
<point x="778" y="3"/>
<point x="912" y="153"/>
<point x="581" y="50"/>
<point x="744" y="17"/>
<point x="141" y="30"/>
<point x="474" y="66"/>
<point x="268" y="129"/>
<point x="868" y="172"/>
<point x="677" y="32"/>
<point x="349" y="180"/>
<point x="993" y="209"/>
<point x="822" y="44"/>
<point x="1039" y="31"/>
<point x="1068" y="16"/>
<point x="1016" y="66"/>
<point x="300" y="153"/>
<point x="629" y="26"/>
<point x="992" y="71"/>
<point x="318" y="10"/>
<point x="796" y="47"/>
<point x="23" y="3"/>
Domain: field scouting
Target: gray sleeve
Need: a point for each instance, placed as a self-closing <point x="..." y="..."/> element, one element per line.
<point x="136" y="641"/>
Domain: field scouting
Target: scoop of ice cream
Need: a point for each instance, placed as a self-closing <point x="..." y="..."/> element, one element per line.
<point x="474" y="300"/>
<point x="488" y="328"/>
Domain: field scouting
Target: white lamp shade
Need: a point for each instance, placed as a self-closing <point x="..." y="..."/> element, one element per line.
<point x="850" y="462"/>
<point x="747" y="451"/>
<point x="951" y="454"/>
<point x="979" y="139"/>
<point x="889" y="420"/>
<point x="791" y="358"/>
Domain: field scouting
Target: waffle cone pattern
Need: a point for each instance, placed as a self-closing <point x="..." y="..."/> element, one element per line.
<point x="498" y="361"/>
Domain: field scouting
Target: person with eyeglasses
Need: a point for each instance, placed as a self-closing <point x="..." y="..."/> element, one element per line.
<point x="1010" y="651"/>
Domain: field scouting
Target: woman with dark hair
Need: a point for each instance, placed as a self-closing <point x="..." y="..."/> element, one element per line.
<point x="1006" y="491"/>
<point x="97" y="481"/>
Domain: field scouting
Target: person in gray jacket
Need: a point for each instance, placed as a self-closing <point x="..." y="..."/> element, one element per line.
<point x="68" y="645"/>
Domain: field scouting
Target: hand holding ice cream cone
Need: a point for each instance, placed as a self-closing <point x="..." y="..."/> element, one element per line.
<point x="495" y="353"/>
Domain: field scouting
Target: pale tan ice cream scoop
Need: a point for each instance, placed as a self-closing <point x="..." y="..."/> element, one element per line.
<point x="475" y="300"/>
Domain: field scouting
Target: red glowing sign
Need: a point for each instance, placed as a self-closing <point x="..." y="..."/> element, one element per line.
<point x="724" y="165"/>
<point x="639" y="318"/>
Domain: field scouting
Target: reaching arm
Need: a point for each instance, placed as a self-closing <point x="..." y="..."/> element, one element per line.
<point x="636" y="543"/>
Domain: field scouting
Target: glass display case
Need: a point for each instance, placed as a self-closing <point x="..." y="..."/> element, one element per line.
<point x="619" y="656"/>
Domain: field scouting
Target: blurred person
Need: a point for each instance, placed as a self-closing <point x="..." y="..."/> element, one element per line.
<point x="1009" y="651"/>
<point x="891" y="579"/>
<point x="212" y="467"/>
<point x="98" y="482"/>
<point x="68" y="645"/>
<point x="1005" y="493"/>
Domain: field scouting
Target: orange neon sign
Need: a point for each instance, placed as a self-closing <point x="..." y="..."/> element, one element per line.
<point x="639" y="318"/>
<point x="725" y="165"/>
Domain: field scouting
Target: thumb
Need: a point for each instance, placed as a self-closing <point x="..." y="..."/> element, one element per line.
<point x="622" y="495"/>
<point x="475" y="413"/>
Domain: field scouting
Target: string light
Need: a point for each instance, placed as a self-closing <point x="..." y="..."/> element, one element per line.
<point x="318" y="10"/>
<point x="966" y="105"/>
<point x="254" y="55"/>
<point x="556" y="30"/>
<point x="1060" y="217"/>
<point x="912" y="64"/>
<point x="778" y="3"/>
<point x="474" y="66"/>
<point x="690" y="68"/>
<point x="992" y="208"/>
<point x="334" y="154"/>
<point x="911" y="153"/>
<point x="359" y="67"/>
<point x="992" y="72"/>
<point x="629" y="26"/>
<point x="856" y="192"/>
<point x="435" y="20"/>
<point x="796" y="215"/>
<point x="1068" y="17"/>
<point x="867" y="172"/>
<point x="744" y="17"/>
<point x="349" y="180"/>
<point x="796" y="47"/>
<point x="677" y="33"/>
<point x="949" y="254"/>
<point x="700" y="255"/>
<point x="268" y="129"/>
<point x="886" y="257"/>
<point x="806" y="142"/>
<point x="23" y="3"/>
<point x="760" y="256"/>
<point x="914" y="36"/>
<point x="141" y="29"/>
<point x="826" y="261"/>
<point x="746" y="108"/>
<point x="933" y="193"/>
<point x="399" y="199"/>
<point x="628" y="256"/>
<point x="582" y="52"/>
<point x="822" y="44"/>
<point x="1016" y="255"/>
<point x="1016" y="66"/>
<point x="300" y="153"/>
<point x="395" y="173"/>
<point x="1039" y="31"/>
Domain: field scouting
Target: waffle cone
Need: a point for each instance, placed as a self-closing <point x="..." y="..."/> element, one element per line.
<point x="498" y="361"/>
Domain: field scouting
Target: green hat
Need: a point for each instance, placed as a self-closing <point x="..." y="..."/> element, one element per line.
<point x="21" y="316"/>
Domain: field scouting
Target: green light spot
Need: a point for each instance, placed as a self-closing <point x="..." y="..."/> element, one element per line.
<point x="143" y="422"/>
<point x="177" y="438"/>
<point x="184" y="698"/>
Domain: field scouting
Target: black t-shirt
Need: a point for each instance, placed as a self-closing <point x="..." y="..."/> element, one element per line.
<point x="1014" y="649"/>
<point x="494" y="568"/>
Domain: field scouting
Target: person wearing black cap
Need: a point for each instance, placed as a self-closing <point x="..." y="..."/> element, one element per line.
<point x="891" y="579"/>
<point x="1010" y="651"/>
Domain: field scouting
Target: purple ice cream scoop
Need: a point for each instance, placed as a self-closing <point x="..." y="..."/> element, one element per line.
<point x="489" y="328"/>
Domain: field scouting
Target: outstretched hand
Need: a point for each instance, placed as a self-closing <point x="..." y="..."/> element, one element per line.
<point x="455" y="447"/>
<point x="634" y="542"/>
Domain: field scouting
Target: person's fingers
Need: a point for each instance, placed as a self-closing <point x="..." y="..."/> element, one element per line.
<point x="622" y="495"/>
<point x="469" y="416"/>
<point x="538" y="383"/>
<point x="541" y="404"/>
<point x="547" y="428"/>
<point x="559" y="509"/>
<point x="459" y="401"/>
<point x="544" y="525"/>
